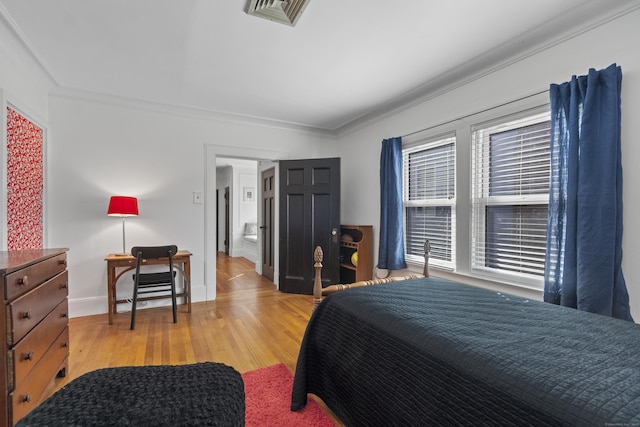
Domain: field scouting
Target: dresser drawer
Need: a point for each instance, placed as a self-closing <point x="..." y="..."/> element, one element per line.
<point x="27" y="311"/>
<point x="28" y="352"/>
<point x="29" y="392"/>
<point x="21" y="281"/>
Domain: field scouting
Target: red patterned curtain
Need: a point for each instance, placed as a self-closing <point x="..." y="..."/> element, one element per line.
<point x="25" y="183"/>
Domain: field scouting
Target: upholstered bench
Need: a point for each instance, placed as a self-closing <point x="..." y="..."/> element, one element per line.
<point x="201" y="394"/>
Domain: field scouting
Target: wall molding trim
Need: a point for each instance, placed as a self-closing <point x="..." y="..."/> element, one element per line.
<point x="185" y="111"/>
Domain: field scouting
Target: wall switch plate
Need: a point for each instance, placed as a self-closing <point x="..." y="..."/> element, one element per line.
<point x="197" y="197"/>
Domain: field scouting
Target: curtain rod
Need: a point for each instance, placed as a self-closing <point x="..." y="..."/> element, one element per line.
<point x="477" y="112"/>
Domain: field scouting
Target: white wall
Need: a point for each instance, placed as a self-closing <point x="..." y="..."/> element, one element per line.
<point x="247" y="209"/>
<point x="101" y="150"/>
<point x="244" y="210"/>
<point x="21" y="80"/>
<point x="97" y="150"/>
<point x="24" y="87"/>
<point x="614" y="42"/>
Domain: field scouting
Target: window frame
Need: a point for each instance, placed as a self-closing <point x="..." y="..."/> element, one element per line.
<point x="424" y="144"/>
<point x="481" y="202"/>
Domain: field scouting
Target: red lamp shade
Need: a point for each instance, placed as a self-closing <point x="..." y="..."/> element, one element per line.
<point x="123" y="206"/>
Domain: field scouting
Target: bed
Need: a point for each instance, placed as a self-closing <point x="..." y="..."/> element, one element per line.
<point x="427" y="351"/>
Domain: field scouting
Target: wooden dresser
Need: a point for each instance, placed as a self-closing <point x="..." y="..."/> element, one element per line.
<point x="34" y="319"/>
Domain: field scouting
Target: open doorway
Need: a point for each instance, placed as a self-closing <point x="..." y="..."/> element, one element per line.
<point x="265" y="159"/>
<point x="237" y="219"/>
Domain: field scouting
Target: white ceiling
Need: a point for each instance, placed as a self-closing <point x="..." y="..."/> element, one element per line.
<point x="344" y="62"/>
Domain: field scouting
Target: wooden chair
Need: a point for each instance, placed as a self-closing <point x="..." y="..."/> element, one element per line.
<point x="160" y="284"/>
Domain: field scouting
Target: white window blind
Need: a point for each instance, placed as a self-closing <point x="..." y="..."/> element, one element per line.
<point x="429" y="197"/>
<point x="510" y="196"/>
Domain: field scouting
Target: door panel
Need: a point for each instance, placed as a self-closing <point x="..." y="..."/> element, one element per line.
<point x="267" y="227"/>
<point x="297" y="236"/>
<point x="309" y="216"/>
<point x="226" y="220"/>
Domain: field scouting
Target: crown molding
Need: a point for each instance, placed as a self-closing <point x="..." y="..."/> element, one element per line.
<point x="29" y="55"/>
<point x="563" y="28"/>
<point x="186" y="111"/>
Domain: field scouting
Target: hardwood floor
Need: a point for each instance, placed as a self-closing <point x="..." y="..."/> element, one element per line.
<point x="250" y="325"/>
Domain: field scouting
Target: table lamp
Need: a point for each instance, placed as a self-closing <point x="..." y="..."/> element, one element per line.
<point x="123" y="206"/>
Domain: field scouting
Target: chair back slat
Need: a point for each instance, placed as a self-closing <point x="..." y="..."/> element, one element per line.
<point x="153" y="282"/>
<point x="154" y="251"/>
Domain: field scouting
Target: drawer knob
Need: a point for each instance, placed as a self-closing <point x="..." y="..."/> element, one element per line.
<point x="63" y="315"/>
<point x="62" y="262"/>
<point x="26" y="315"/>
<point x="23" y="281"/>
<point x="64" y="285"/>
<point x="28" y="356"/>
<point x="65" y="344"/>
<point x="25" y="398"/>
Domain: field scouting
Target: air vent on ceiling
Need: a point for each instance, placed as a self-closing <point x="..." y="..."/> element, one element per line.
<point x="285" y="12"/>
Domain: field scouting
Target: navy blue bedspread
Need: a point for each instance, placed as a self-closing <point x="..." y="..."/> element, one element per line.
<point x="434" y="352"/>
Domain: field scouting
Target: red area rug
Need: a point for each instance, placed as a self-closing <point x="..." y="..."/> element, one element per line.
<point x="268" y="399"/>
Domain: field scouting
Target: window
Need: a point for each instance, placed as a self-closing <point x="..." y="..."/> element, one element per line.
<point x="429" y="197"/>
<point x="510" y="196"/>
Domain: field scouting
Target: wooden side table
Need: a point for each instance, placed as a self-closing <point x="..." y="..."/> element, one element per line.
<point x="181" y="262"/>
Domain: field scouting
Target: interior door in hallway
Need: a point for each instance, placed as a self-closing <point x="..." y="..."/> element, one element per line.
<point x="309" y="217"/>
<point x="226" y="220"/>
<point x="267" y="226"/>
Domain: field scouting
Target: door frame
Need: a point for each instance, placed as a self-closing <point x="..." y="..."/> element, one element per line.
<point x="266" y="159"/>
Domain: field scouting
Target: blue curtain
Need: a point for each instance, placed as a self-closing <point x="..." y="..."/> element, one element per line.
<point x="583" y="266"/>
<point x="391" y="248"/>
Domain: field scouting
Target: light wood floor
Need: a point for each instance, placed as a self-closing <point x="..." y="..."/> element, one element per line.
<point x="250" y="325"/>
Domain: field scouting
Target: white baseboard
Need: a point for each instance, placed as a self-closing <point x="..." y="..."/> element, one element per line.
<point x="79" y="307"/>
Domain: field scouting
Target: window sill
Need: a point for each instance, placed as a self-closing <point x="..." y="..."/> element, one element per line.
<point x="521" y="290"/>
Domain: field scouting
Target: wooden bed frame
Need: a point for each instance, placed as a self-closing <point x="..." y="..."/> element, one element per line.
<point x="319" y="291"/>
<point x="439" y="352"/>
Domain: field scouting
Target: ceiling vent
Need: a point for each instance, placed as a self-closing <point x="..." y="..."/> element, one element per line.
<point x="285" y="12"/>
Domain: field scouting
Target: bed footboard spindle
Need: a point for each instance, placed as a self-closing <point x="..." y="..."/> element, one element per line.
<point x="318" y="255"/>
<point x="427" y="251"/>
